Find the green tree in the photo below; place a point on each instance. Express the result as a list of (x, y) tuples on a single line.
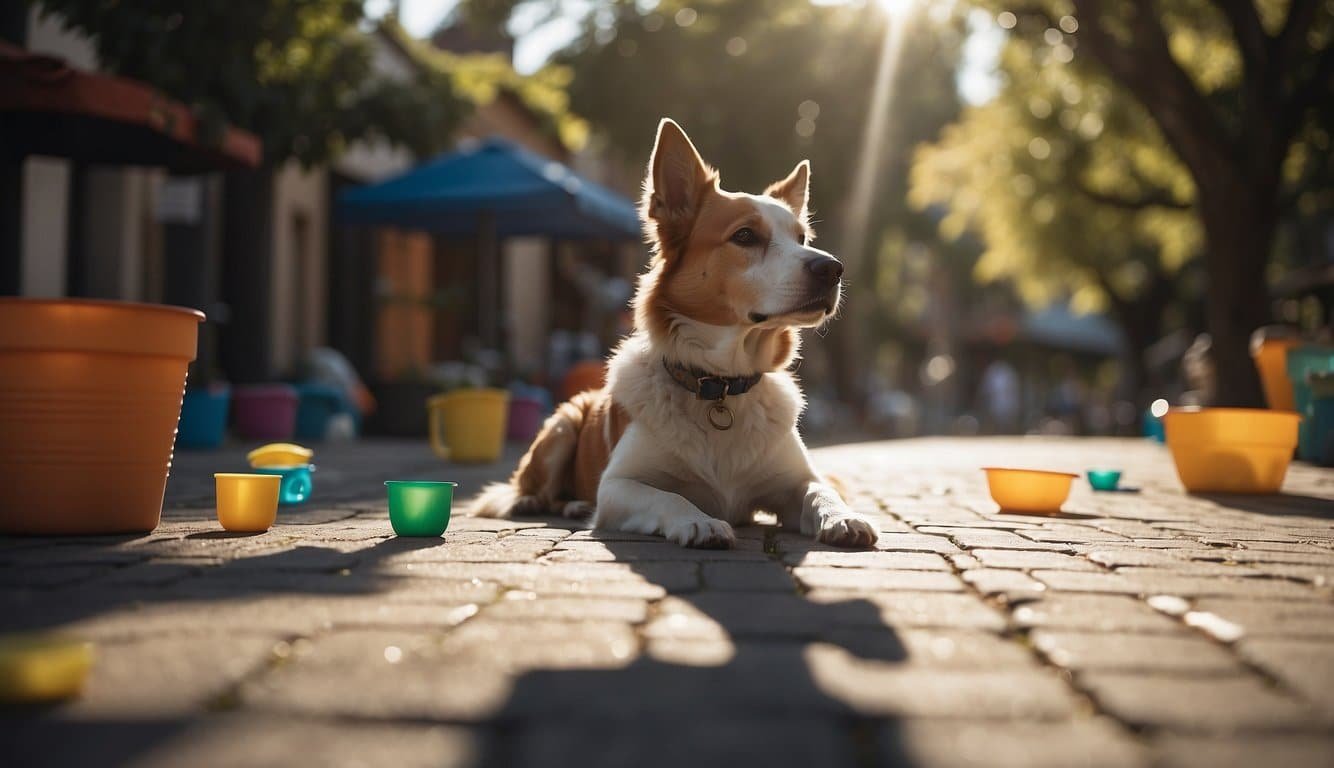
[(1242, 95), (296, 72), (1073, 192)]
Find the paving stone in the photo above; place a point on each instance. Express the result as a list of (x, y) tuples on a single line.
[(933, 647), (1319, 575), (746, 682), (647, 580), (1283, 751), (1265, 618), (1071, 534), (661, 550), (953, 744), (747, 577), (898, 690), (1029, 560), (1305, 666), (1264, 556), (973, 538), (1170, 560), (691, 652), (1097, 613), (1183, 654), (453, 691), (899, 561), (529, 605), (546, 644), (249, 741), (510, 549), (168, 676), (918, 609), (1156, 580), (49, 577), (1013, 585), (708, 744), (1111, 583), (1197, 703), (871, 579)]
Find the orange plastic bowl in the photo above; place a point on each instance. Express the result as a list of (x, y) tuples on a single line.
[(1231, 450), (1032, 491), (90, 394)]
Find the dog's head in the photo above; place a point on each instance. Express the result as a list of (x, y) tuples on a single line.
[(729, 258)]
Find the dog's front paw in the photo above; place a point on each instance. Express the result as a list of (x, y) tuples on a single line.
[(577, 510), (848, 530), (701, 534)]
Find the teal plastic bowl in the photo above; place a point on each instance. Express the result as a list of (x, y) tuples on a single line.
[(419, 507), (297, 484), (1105, 479)]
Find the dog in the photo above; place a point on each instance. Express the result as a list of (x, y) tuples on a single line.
[(695, 429)]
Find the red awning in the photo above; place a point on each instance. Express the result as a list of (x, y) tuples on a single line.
[(50, 108)]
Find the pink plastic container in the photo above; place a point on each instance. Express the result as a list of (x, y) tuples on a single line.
[(524, 420), (265, 411)]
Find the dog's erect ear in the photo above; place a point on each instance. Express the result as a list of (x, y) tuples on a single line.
[(676, 177), (794, 190)]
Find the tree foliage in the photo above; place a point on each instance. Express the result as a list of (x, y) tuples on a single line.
[(296, 72), (1230, 105), (1067, 182)]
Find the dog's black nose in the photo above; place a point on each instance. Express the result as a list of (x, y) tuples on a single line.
[(826, 269)]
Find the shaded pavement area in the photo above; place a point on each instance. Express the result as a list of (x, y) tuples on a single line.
[(1147, 628)]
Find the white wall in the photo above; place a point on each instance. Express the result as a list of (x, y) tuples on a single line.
[(298, 192), (527, 299), (45, 206)]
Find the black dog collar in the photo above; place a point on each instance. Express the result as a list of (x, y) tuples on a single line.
[(707, 386)]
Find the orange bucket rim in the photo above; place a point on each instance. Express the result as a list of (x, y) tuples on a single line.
[(136, 306), (1031, 471), (1195, 410)]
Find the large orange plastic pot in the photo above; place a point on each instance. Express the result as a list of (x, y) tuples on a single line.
[(1231, 450), (90, 393)]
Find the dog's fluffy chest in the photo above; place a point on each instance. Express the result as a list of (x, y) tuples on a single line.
[(723, 472)]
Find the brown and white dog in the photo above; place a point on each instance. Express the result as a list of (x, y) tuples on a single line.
[(696, 428)]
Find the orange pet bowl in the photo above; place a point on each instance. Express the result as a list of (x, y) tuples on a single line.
[(1231, 450), (1032, 491), (90, 394)]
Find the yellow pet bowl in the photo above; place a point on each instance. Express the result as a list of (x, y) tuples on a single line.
[(1032, 491), (280, 455), (247, 503), (34, 668), (1231, 450)]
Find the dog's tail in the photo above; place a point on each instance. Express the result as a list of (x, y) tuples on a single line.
[(538, 485)]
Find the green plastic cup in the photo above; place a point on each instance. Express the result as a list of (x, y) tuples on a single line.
[(1105, 479), (419, 507)]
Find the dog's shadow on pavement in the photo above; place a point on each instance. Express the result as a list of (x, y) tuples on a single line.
[(742, 689), (1274, 505), (752, 687)]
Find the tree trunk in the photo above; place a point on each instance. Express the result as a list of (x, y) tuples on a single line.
[(1239, 224)]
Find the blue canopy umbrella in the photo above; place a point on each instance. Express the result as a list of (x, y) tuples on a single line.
[(493, 188)]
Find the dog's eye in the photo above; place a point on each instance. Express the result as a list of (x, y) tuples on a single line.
[(745, 237)]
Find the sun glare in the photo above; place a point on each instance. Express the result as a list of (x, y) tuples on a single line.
[(896, 7)]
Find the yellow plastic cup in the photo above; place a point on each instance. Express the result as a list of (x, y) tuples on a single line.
[(247, 503), (280, 455), (468, 425), (36, 668), (1031, 491)]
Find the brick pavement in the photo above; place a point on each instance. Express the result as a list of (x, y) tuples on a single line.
[(1136, 629)]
